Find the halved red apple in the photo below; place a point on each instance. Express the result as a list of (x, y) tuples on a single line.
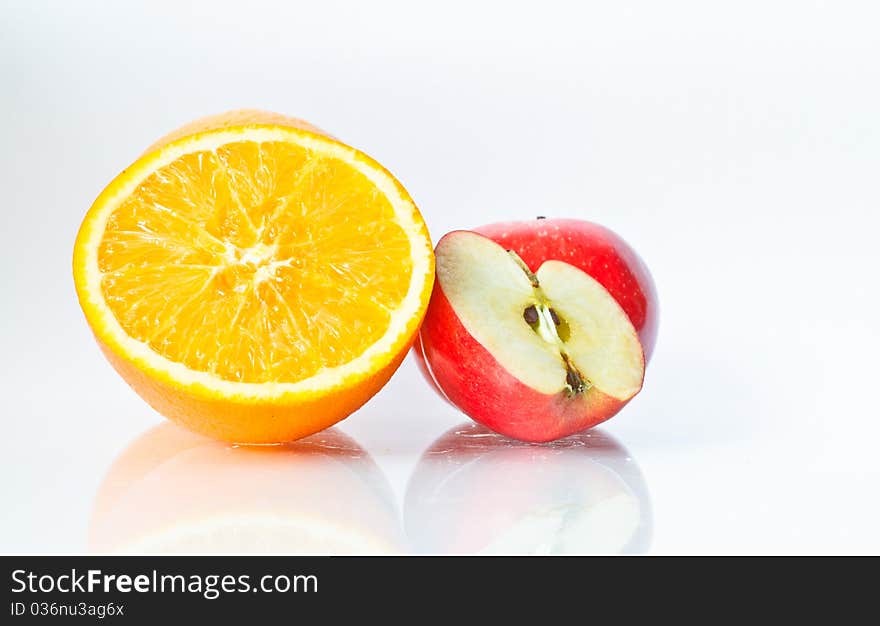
[(532, 355)]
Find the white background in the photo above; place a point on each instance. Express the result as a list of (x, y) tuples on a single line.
[(735, 145)]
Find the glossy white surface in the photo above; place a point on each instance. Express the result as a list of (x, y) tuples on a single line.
[(736, 147)]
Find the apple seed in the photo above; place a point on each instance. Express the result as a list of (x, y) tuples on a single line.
[(531, 315), (573, 378)]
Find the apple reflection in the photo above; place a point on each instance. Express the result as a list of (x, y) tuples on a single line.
[(474, 491), (172, 491)]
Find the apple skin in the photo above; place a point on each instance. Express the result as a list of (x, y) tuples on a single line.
[(463, 372), (594, 249)]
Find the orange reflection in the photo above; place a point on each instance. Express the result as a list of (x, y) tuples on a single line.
[(172, 491), (474, 491)]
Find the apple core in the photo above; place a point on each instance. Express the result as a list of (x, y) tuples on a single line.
[(545, 321)]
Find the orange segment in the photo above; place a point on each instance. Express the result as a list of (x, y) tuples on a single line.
[(254, 262), (289, 276)]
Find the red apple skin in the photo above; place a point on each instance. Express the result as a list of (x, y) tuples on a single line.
[(471, 379), (595, 250)]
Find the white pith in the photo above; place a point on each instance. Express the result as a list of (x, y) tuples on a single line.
[(489, 292), (112, 333)]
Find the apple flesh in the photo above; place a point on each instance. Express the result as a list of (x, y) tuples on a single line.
[(535, 355), (596, 250)]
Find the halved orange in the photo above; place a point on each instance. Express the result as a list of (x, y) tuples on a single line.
[(252, 278)]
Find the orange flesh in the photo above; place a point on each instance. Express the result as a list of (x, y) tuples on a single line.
[(255, 262)]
